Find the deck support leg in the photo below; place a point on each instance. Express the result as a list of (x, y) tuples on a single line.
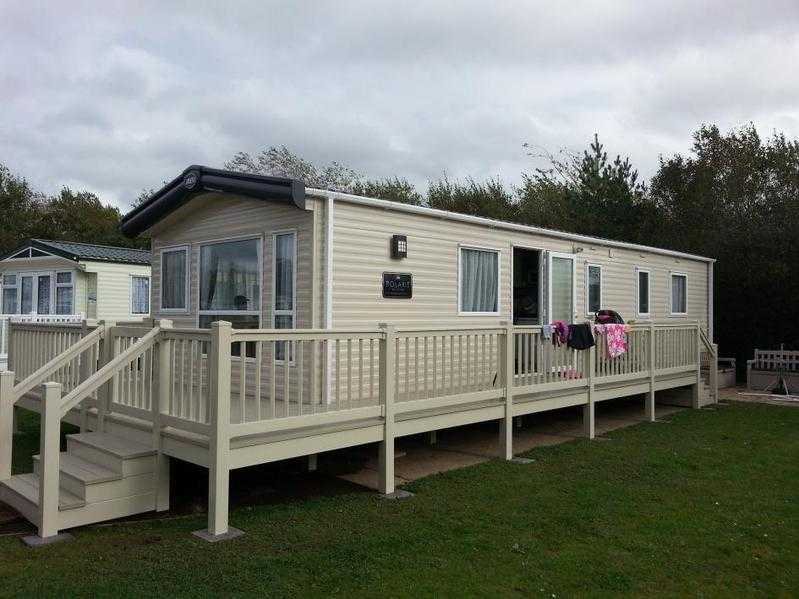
[(219, 442), (589, 420), (386, 467), (589, 413), (7, 421), (162, 482), (312, 462), (649, 404), (388, 346), (432, 437), (506, 424)]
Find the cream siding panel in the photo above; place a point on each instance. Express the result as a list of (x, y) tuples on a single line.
[(113, 288), (361, 254)]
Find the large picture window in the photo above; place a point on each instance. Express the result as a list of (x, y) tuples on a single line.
[(139, 295), (679, 294), (283, 286), (174, 270), (642, 291), (230, 286), (479, 281)]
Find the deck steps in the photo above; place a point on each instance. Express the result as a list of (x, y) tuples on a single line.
[(101, 477)]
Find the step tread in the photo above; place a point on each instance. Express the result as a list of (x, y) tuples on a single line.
[(85, 471), (116, 446), (27, 485)]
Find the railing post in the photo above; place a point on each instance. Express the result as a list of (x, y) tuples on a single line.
[(84, 373), (6, 423), (506, 424), (589, 413), (714, 371), (650, 398), (106, 354), (159, 399), (698, 386), (219, 442), (386, 373), (49, 450)]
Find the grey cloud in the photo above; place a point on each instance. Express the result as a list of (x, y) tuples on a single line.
[(115, 97)]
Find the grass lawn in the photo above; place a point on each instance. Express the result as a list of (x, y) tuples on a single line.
[(705, 505)]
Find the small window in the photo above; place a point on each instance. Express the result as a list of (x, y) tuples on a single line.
[(64, 293), (10, 294), (593, 286), (173, 279), (479, 281), (679, 294), (642, 291), (139, 295)]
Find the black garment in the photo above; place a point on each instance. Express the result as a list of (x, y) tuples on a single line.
[(608, 317), (580, 336)]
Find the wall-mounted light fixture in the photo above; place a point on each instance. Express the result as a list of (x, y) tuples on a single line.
[(399, 246)]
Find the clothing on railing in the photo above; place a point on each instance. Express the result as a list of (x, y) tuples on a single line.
[(608, 317), (580, 336), (560, 332), (615, 338)]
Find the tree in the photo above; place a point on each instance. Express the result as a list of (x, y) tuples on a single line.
[(19, 205), (736, 198), (490, 199), (587, 194), (281, 162)]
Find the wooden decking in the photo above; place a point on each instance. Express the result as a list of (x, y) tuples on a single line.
[(181, 393)]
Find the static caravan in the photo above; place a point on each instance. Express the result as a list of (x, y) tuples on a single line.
[(266, 253), (62, 281), (288, 321)]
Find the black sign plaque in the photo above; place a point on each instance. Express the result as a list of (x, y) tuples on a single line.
[(397, 285)]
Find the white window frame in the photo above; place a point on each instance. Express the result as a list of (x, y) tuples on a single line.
[(274, 310), (673, 274), (638, 313), (498, 252), (57, 286), (186, 286), (588, 267), (149, 295), (565, 256), (16, 287)]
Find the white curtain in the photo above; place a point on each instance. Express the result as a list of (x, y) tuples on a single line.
[(479, 281), (173, 279), (140, 292), (229, 276), (678, 294)]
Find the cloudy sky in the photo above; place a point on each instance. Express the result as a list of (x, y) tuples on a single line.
[(118, 96)]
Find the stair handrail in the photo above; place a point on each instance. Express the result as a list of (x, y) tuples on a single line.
[(713, 368), (107, 372), (44, 373)]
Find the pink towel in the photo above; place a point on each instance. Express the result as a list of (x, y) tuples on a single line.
[(615, 337)]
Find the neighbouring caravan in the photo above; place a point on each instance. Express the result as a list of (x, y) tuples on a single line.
[(62, 281), (288, 322)]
